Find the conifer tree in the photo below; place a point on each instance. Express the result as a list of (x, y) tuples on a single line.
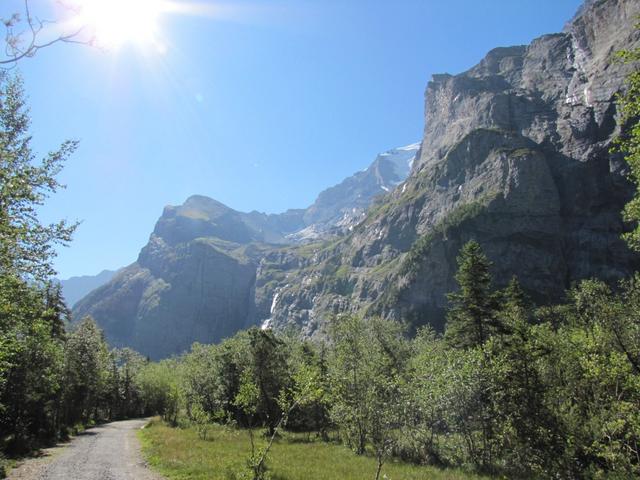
[(471, 319)]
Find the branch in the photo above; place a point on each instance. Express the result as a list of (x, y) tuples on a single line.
[(14, 41)]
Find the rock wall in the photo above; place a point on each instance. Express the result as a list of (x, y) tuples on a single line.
[(515, 154)]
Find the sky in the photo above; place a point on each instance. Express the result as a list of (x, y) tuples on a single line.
[(258, 104)]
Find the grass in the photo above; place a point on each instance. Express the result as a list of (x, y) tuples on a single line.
[(6, 464), (179, 454)]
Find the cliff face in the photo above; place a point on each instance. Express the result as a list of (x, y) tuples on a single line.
[(515, 154)]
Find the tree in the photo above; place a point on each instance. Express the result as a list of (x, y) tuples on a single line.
[(367, 370), (32, 313), (471, 319), (204, 395), (628, 142), (26, 245), (269, 370), (526, 426), (388, 360), (349, 380), (128, 365), (306, 388), (30, 365), (160, 389), (314, 415), (87, 363)]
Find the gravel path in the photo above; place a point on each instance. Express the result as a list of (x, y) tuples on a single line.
[(107, 452)]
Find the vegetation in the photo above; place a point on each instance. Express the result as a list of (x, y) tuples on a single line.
[(180, 454), (510, 389), (53, 379), (628, 142)]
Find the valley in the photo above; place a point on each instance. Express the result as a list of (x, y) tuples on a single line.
[(465, 307)]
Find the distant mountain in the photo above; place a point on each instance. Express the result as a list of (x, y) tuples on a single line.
[(341, 207), (75, 288), (195, 280)]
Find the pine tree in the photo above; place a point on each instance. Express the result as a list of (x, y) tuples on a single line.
[(471, 319)]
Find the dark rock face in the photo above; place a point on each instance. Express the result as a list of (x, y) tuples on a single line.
[(515, 154)]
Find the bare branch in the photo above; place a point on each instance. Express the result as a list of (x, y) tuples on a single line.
[(25, 42)]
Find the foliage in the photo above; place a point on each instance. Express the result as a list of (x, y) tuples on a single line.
[(543, 393), (367, 369), (628, 142), (32, 312), (304, 388), (26, 245), (471, 319)]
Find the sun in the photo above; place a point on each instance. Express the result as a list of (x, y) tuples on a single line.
[(114, 23)]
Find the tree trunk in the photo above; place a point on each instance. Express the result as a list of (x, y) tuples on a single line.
[(380, 462)]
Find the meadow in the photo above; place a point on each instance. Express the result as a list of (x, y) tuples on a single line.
[(181, 454)]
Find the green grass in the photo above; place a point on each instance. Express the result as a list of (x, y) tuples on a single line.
[(179, 454), (6, 465)]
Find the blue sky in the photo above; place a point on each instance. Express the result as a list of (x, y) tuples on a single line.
[(260, 108)]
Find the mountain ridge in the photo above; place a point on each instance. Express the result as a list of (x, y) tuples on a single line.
[(202, 258)]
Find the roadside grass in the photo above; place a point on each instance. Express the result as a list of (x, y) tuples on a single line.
[(179, 454), (6, 464)]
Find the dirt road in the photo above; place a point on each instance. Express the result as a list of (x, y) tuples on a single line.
[(107, 452)]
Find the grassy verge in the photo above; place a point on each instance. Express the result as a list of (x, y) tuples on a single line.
[(179, 455), (6, 465)]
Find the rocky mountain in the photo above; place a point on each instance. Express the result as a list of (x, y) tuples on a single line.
[(74, 288), (339, 208), (515, 154), (195, 279)]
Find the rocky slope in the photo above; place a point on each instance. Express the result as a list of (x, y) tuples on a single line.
[(339, 208), (515, 154), (195, 279)]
